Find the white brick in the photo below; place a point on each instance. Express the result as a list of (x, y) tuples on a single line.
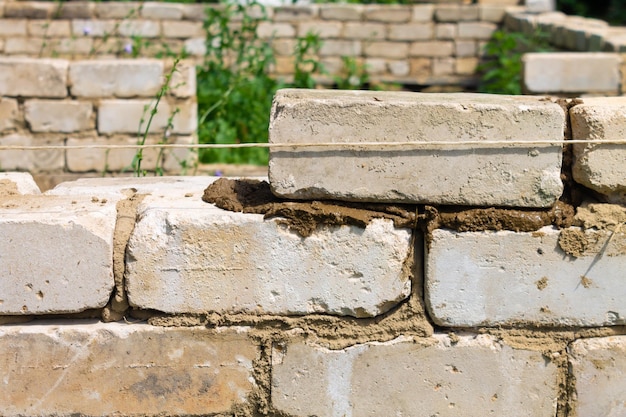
[(599, 369), (58, 116), (183, 82), (188, 256), (49, 28), (50, 246), (120, 78), (125, 116), (195, 46), (496, 278), (600, 167), (30, 160), (8, 114), (571, 72), (508, 176), (21, 183), (123, 369), (476, 376), (33, 77), (97, 28)]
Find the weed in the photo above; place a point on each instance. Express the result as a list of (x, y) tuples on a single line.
[(306, 63), (354, 77)]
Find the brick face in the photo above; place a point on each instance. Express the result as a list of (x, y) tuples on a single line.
[(58, 116)]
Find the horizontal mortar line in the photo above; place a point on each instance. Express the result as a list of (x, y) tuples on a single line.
[(201, 268), (340, 145)]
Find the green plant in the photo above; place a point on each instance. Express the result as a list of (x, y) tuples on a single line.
[(354, 75), (306, 63), (501, 72), (235, 90)]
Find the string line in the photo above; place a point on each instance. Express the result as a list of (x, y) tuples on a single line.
[(337, 145)]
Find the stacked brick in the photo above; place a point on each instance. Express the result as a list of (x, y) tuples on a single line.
[(247, 316), (418, 44), (96, 102)]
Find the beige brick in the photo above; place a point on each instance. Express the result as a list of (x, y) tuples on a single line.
[(598, 367), (340, 48), (13, 27), (124, 116), (600, 167), (376, 65), (466, 66), (423, 13), (267, 30), (71, 46), (24, 46), (341, 12), (464, 178), (134, 369), (446, 30), (28, 77), (183, 82), (162, 11), (117, 10), (2, 9), (476, 30), (1, 45), (195, 46), (142, 28), (323, 29), (284, 65), (420, 66), (399, 68), (196, 12), (51, 28), (31, 161), (369, 31), (465, 48), (411, 32), (414, 377), (295, 13), (492, 12), (97, 28), (388, 13), (284, 46), (394, 50), (455, 12), (9, 114), (431, 49), (76, 10), (443, 66), (112, 160), (58, 116), (28, 9), (183, 30), (120, 78)]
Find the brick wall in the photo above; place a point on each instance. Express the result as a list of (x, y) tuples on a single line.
[(496, 292), (97, 102), (419, 44)]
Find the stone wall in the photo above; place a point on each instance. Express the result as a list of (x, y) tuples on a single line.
[(420, 44), (499, 291), (96, 102)]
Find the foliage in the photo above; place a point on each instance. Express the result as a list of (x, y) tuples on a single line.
[(613, 11), (501, 72), (354, 75), (305, 64)]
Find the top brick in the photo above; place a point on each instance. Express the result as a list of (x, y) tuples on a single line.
[(423, 170)]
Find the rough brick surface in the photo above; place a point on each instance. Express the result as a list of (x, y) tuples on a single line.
[(14, 183), (13, 27), (476, 376), (600, 167), (493, 278), (58, 116), (119, 78), (525, 176), (124, 116), (570, 72), (56, 254), (599, 368), (30, 77), (8, 114), (188, 256), (100, 369)]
